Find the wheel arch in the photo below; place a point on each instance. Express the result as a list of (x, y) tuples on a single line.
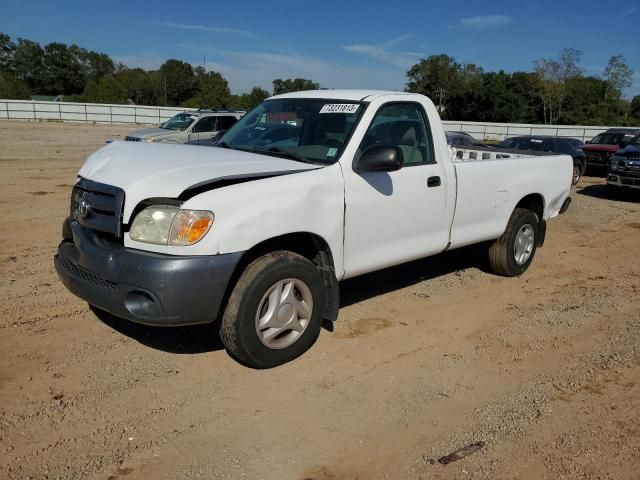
[(535, 203), (309, 245)]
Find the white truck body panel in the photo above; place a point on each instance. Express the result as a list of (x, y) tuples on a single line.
[(370, 221), (489, 190)]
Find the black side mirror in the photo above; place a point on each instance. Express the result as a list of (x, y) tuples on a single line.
[(217, 136), (587, 142), (380, 158)]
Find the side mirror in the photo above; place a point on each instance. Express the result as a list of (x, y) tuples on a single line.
[(380, 158), (587, 142), (217, 136)]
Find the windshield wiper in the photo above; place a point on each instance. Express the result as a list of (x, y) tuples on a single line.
[(287, 154)]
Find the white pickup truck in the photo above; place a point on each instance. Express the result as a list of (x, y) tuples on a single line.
[(308, 189)]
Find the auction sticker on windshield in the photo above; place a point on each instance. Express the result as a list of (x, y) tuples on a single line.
[(339, 108)]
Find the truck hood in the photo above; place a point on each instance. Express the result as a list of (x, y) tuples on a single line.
[(631, 152), (150, 132), (147, 170)]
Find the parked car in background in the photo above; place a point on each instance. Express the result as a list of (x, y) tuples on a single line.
[(462, 139), (624, 167), (546, 144), (601, 147), (188, 127)]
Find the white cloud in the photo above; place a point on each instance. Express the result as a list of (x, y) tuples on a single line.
[(244, 70), (631, 11), (384, 53), (484, 21), (202, 28)]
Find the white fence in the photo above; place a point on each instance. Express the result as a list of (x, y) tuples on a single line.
[(148, 115), (500, 131), (85, 112)]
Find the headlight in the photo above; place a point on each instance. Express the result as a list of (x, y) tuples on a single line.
[(617, 165), (168, 225), (151, 139)]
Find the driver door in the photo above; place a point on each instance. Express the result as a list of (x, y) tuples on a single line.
[(394, 217)]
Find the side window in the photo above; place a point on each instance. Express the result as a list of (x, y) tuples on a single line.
[(206, 124), (225, 123), (548, 145), (403, 125)]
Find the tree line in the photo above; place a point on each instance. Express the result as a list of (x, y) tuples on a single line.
[(556, 91), (80, 75)]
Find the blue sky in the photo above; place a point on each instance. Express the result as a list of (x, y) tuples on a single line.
[(348, 43)]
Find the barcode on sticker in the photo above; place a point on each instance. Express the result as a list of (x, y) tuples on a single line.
[(339, 108)]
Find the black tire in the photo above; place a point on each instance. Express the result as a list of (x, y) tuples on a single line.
[(238, 327), (577, 173), (502, 256)]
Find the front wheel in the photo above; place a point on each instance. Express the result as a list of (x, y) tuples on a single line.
[(274, 313), (512, 253)]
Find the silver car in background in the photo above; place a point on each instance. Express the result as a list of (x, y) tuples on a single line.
[(188, 127)]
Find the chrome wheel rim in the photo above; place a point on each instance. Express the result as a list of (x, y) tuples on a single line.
[(523, 246), (284, 313)]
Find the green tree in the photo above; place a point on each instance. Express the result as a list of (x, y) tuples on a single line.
[(7, 53), (618, 76), (437, 77), (552, 77), (249, 101), (139, 86), (105, 90), (63, 70), (28, 64), (293, 85), (635, 108), (11, 87), (177, 81), (212, 90)]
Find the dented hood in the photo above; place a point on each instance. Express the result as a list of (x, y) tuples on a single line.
[(147, 170)]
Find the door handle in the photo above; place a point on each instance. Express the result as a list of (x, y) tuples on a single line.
[(433, 182)]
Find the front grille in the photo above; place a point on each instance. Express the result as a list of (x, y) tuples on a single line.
[(87, 276), (98, 206), (631, 173), (132, 139), (598, 158)]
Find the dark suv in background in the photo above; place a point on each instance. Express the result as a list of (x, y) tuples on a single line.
[(545, 144), (624, 167), (601, 147)]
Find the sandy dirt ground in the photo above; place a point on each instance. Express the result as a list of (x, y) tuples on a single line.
[(425, 358)]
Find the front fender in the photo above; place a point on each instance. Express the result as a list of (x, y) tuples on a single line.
[(251, 212)]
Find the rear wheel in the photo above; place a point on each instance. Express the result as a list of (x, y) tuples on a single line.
[(577, 173), (274, 311), (512, 253)]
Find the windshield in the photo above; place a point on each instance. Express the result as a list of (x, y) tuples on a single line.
[(179, 122), (610, 138), (636, 141), (308, 130)]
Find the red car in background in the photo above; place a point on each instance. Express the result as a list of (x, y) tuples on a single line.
[(601, 147)]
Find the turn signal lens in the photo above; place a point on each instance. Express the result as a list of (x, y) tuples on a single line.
[(189, 227)]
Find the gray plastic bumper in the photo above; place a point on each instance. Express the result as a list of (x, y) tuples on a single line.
[(143, 287)]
